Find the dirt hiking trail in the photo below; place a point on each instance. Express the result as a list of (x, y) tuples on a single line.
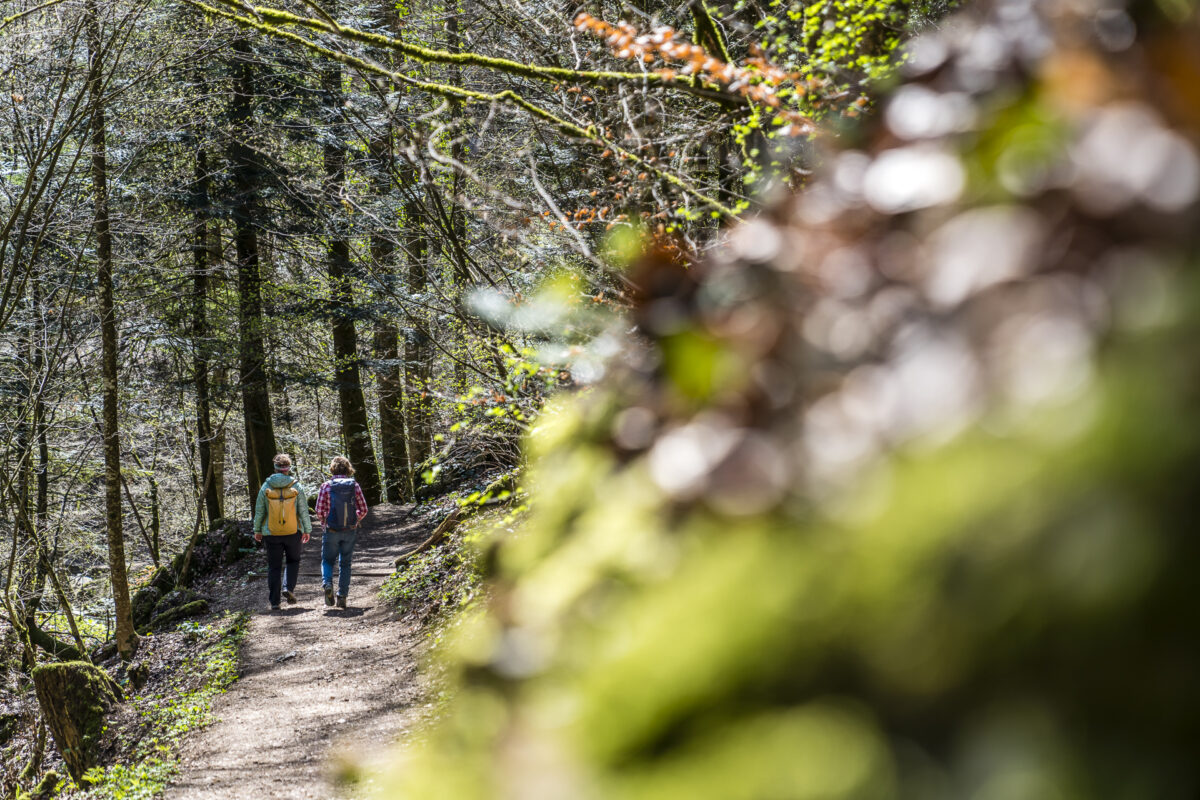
[(317, 684)]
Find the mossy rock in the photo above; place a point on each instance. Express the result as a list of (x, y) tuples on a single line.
[(238, 537), (9, 722), (179, 612), (46, 786), (138, 674), (44, 790), (74, 697), (221, 545), (163, 579), (104, 652), (143, 604), (174, 599)]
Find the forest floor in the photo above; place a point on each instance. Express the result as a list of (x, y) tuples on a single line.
[(322, 691)]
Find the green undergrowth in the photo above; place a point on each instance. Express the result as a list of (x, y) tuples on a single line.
[(167, 711), (92, 628), (445, 580)]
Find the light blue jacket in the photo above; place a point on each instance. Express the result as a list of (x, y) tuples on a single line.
[(281, 481)]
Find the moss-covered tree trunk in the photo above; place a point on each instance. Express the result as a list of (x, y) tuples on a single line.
[(418, 349), (27, 566), (355, 430), (200, 334), (74, 697), (457, 228), (218, 388), (126, 637), (42, 503), (256, 395), (397, 477), (393, 444)]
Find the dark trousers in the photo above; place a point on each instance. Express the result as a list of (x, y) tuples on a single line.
[(277, 548)]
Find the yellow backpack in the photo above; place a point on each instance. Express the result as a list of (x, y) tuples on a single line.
[(281, 510)]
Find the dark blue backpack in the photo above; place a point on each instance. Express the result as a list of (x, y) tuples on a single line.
[(342, 511)]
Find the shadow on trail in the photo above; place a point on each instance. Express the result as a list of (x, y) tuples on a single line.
[(315, 680), (283, 612), (352, 611)]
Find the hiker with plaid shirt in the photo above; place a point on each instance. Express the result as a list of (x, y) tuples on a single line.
[(340, 507)]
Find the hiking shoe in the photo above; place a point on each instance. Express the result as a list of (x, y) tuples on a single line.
[(328, 595), (341, 601), (274, 606), (287, 595)]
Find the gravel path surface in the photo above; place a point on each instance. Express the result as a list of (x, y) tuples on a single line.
[(320, 688)]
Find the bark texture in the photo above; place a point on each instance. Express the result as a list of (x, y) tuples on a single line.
[(418, 350), (397, 476), (200, 338), (126, 637), (347, 375), (74, 697), (256, 396)]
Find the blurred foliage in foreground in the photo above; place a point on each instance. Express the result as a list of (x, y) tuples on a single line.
[(890, 497)]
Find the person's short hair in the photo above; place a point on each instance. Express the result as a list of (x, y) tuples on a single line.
[(283, 461), (341, 466)]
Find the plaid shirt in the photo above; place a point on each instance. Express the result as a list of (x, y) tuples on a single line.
[(323, 501)]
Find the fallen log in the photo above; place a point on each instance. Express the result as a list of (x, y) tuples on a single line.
[(506, 485), (439, 533)]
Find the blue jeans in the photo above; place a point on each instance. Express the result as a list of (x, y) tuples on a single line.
[(337, 546)]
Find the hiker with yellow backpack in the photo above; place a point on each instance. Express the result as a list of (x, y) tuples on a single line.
[(281, 514)]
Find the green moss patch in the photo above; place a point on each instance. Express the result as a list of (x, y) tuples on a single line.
[(145, 742), (194, 608), (75, 697)]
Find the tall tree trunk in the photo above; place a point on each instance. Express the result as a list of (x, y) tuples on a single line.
[(126, 637), (155, 520), (355, 431), (458, 222), (42, 509), (31, 574), (256, 396), (200, 343), (26, 431), (392, 444), (219, 388), (418, 350), (42, 501)]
